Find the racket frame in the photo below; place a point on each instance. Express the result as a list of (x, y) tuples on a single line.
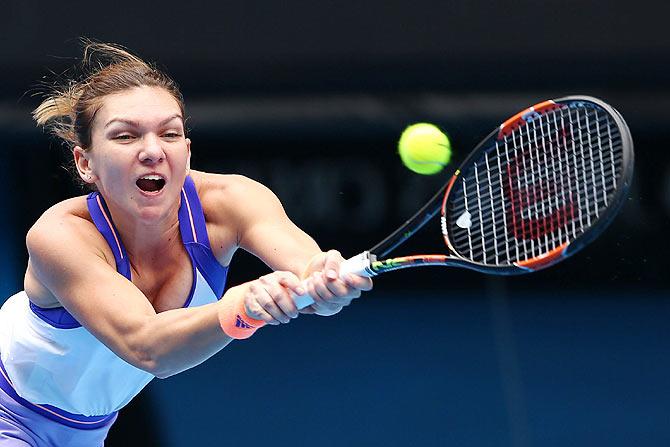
[(368, 262)]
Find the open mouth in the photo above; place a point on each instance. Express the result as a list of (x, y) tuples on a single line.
[(150, 183)]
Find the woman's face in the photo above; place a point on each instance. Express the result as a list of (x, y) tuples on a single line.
[(139, 154)]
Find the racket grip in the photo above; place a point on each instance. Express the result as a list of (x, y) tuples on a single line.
[(357, 265)]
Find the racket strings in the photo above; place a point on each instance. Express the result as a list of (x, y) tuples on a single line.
[(539, 187), (549, 187), (561, 164), (586, 133)]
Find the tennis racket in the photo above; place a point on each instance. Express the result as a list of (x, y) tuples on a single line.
[(535, 191)]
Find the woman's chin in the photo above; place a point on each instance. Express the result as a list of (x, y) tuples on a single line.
[(153, 207)]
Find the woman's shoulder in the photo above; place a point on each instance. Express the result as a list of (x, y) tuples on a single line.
[(68, 220), (229, 192), (208, 182), (73, 209)]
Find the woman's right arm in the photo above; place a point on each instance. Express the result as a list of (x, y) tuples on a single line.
[(65, 260)]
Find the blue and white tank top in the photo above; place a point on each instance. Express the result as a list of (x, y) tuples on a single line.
[(53, 365)]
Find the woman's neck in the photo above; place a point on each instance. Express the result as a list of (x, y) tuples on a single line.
[(149, 243)]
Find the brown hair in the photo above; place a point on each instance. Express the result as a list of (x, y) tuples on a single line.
[(69, 109)]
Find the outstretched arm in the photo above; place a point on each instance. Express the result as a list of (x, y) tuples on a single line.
[(265, 230), (67, 258)]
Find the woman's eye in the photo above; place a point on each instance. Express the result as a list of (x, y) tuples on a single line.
[(123, 137)]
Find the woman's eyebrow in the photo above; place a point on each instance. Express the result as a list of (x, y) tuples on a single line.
[(137, 124), (167, 120), (122, 120)]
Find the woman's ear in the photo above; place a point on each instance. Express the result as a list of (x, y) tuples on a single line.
[(188, 160), (83, 165)]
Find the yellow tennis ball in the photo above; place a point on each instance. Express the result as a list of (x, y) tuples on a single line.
[(424, 148)]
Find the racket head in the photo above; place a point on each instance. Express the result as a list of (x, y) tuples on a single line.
[(539, 188)]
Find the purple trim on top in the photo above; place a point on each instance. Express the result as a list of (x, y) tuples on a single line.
[(106, 227), (56, 316), (210, 269), (197, 213), (55, 414), (192, 220), (214, 273), (194, 282)]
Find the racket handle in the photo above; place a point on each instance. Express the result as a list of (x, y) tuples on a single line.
[(357, 265)]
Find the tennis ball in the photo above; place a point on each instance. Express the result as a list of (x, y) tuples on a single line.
[(424, 148)]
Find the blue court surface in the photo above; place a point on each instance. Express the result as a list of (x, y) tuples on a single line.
[(545, 369)]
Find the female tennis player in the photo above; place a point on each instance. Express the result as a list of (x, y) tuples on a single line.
[(127, 283)]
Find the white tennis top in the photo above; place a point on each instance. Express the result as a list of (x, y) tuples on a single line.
[(52, 361)]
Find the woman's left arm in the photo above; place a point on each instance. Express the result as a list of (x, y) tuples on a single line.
[(264, 229)]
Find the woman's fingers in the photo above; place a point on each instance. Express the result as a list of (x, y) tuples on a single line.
[(269, 297)]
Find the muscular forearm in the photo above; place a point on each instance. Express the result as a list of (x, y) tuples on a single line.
[(179, 339)]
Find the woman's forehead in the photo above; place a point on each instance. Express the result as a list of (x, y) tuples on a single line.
[(141, 105)]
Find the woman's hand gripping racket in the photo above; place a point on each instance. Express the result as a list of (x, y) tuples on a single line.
[(540, 187)]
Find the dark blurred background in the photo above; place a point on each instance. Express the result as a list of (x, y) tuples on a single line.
[(310, 98)]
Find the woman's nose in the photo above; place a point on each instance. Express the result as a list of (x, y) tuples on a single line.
[(152, 150)]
